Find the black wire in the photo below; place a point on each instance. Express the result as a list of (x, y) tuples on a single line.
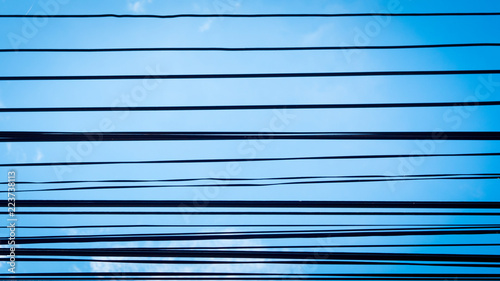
[(256, 179), (250, 107), (257, 204), (340, 157), (252, 225), (250, 278), (248, 75), (319, 262), (31, 136), (228, 276), (242, 185), (251, 49), (131, 274), (263, 255), (251, 15), (334, 246), (128, 213), (359, 230)]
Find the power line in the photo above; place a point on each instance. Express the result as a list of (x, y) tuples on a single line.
[(338, 181), (177, 274), (250, 107), (252, 15), (188, 161), (252, 49), (331, 246), (254, 179), (477, 229), (264, 255), (33, 136), (258, 204), (152, 278), (248, 75), (223, 236), (319, 262), (253, 225), (276, 213)]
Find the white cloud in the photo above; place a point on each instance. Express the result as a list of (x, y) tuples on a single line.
[(254, 267), (31, 7), (138, 5), (206, 26), (39, 155), (322, 32)]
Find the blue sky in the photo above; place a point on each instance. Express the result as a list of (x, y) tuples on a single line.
[(225, 32)]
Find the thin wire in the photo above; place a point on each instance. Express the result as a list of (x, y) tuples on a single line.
[(251, 49), (265, 255), (319, 262), (252, 225), (254, 179), (248, 75), (188, 161), (276, 213), (250, 107), (252, 15), (257, 204), (125, 273), (32, 136)]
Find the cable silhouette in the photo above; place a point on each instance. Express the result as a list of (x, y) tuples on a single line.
[(250, 15), (251, 107), (256, 213), (249, 75), (252, 179), (184, 161), (223, 236), (252, 49), (31, 136), (259, 204)]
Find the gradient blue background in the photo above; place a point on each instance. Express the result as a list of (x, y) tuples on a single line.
[(226, 32)]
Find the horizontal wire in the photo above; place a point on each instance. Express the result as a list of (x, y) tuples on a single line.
[(250, 15), (254, 179), (257, 204), (159, 237), (267, 225), (128, 213), (252, 49), (243, 185), (248, 75), (34, 136), (252, 225), (131, 274), (187, 161), (254, 278), (333, 246), (249, 107), (175, 234), (486, 258), (210, 262)]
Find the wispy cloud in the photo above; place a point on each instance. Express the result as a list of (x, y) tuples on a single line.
[(316, 37), (39, 155), (206, 26), (255, 267), (31, 7), (138, 6)]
